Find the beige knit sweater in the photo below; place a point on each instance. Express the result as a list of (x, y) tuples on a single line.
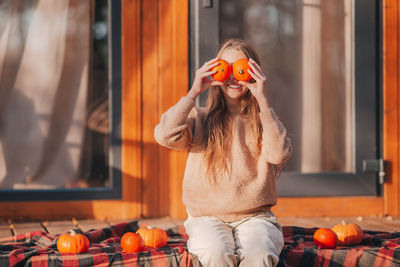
[(250, 187)]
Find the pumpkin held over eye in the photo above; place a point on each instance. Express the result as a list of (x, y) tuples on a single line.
[(240, 70), (224, 71), (132, 242), (325, 238), (73, 243), (153, 237), (348, 234)]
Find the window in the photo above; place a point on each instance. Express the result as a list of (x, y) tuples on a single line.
[(60, 100)]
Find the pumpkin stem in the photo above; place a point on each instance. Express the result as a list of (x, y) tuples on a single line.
[(343, 222), (73, 233), (241, 71)]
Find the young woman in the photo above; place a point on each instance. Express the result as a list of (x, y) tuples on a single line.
[(236, 148)]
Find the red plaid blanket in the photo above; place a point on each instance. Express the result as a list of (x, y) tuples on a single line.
[(39, 249), (378, 249)]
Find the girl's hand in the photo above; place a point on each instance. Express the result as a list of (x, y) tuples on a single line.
[(259, 88), (201, 80)]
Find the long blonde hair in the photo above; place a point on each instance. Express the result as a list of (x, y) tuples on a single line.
[(218, 123)]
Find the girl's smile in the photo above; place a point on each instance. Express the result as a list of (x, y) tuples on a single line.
[(234, 86)]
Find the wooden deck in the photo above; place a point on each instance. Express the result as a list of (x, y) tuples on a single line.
[(9, 228)]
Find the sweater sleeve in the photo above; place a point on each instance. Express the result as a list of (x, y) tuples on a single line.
[(176, 125), (276, 146)]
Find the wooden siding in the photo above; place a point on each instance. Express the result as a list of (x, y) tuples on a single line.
[(329, 206), (155, 76), (131, 110), (391, 104)]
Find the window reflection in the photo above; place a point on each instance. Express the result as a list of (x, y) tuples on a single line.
[(53, 94)]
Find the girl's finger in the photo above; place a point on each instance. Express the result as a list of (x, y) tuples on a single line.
[(256, 68), (255, 64), (207, 66), (213, 65), (255, 76), (208, 73), (211, 61)]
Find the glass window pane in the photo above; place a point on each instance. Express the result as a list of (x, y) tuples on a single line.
[(306, 48), (53, 94)]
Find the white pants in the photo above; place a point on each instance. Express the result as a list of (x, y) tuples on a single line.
[(254, 241)]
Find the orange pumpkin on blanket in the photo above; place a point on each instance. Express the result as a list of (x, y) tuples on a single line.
[(348, 234), (153, 237), (325, 238), (132, 242), (73, 243)]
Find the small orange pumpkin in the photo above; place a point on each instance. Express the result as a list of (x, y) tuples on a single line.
[(224, 71), (153, 237), (240, 70), (132, 242), (348, 233), (325, 238), (73, 243)]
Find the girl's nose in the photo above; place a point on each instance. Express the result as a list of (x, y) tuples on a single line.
[(231, 78)]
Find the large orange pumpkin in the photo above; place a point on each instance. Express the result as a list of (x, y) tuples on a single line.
[(153, 237), (240, 70), (73, 243), (325, 238), (132, 242), (224, 71), (348, 234)]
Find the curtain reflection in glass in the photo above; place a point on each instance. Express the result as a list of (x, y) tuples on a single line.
[(49, 76)]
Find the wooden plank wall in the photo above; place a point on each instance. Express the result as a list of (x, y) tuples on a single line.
[(157, 54), (391, 104), (131, 118)]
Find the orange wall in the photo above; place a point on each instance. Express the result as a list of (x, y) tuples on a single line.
[(391, 105)]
